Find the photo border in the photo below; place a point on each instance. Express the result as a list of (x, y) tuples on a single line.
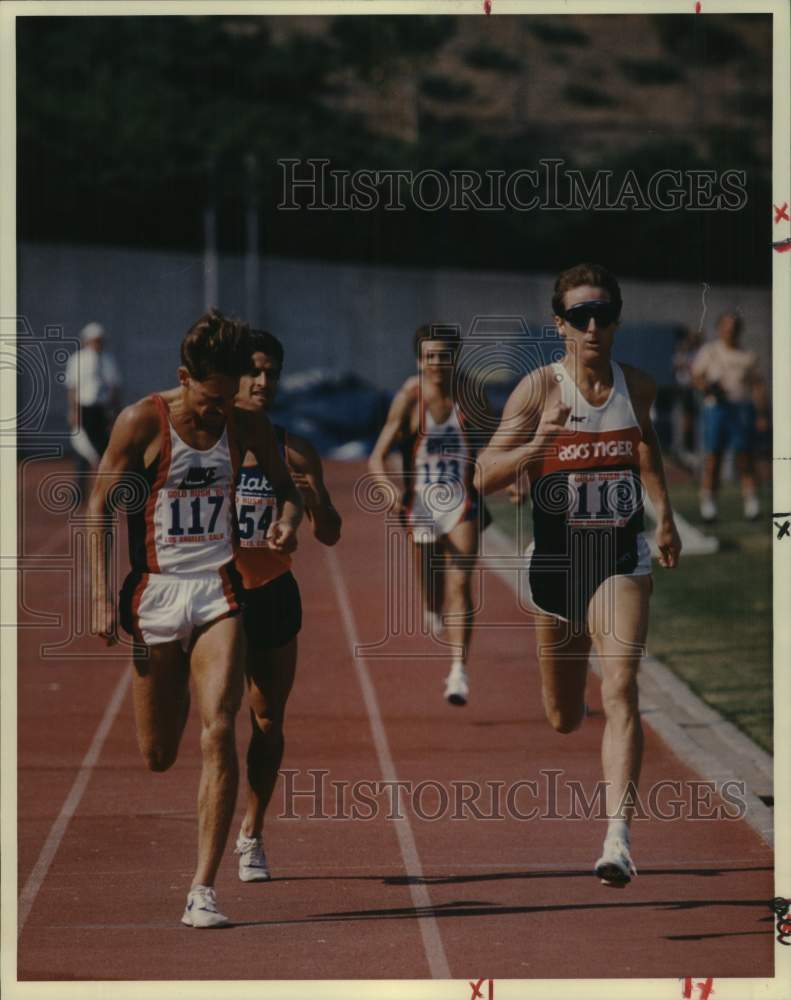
[(778, 987)]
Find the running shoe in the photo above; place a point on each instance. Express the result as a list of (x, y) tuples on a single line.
[(457, 688), (708, 508), (615, 867), (201, 909), (252, 860)]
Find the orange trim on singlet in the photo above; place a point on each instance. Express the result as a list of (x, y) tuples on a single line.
[(580, 450), (233, 446), (163, 469), (259, 566), (236, 460)]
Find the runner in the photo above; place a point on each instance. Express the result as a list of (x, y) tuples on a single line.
[(581, 430), (181, 600), (273, 612), (440, 507)]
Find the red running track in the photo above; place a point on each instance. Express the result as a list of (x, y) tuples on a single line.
[(106, 849)]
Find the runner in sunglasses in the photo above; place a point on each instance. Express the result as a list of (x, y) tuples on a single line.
[(580, 429)]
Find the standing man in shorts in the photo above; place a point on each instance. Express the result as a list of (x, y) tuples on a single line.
[(734, 400), (430, 420), (93, 385), (273, 612), (581, 430), (181, 600)]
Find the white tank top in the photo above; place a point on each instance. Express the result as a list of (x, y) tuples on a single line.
[(599, 455), (615, 414), (188, 518), (441, 472)]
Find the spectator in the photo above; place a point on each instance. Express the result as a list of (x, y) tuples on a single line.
[(734, 406), (688, 344), (93, 383)]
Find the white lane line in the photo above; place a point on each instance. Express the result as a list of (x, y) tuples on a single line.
[(69, 807), (429, 929)]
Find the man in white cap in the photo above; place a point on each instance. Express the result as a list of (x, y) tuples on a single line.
[(93, 383)]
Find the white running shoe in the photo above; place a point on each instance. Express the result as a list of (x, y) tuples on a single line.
[(252, 860), (615, 867), (434, 624), (457, 687), (708, 508), (752, 507), (201, 909)]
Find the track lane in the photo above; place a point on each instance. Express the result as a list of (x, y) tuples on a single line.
[(504, 894)]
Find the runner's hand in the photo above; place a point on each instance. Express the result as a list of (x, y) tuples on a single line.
[(553, 421), (668, 543), (282, 537)]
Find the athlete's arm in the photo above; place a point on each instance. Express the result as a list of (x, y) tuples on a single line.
[(136, 427), (642, 390), (308, 476), (397, 420), (257, 434), (526, 428)]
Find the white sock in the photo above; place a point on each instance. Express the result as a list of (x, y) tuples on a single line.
[(457, 667), (618, 829)]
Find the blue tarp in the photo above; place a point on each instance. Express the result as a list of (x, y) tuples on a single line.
[(340, 413)]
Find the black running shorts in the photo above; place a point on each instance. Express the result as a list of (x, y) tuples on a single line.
[(273, 613)]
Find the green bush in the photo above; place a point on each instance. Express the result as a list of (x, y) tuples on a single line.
[(487, 57), (557, 31), (650, 72), (443, 88), (708, 41), (587, 97)]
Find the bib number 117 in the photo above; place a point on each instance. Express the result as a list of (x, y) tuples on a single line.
[(196, 515)]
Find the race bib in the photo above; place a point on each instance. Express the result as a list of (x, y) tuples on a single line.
[(603, 499), (255, 515), (195, 516)]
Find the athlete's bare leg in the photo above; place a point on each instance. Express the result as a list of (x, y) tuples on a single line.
[(618, 623), (745, 467), (563, 662), (270, 676), (161, 696), (430, 574), (711, 471), (461, 546), (218, 676)]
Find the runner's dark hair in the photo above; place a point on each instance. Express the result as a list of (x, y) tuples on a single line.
[(436, 331), (585, 274), (736, 316), (267, 343), (216, 345)]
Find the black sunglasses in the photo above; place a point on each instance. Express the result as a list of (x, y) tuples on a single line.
[(602, 311)]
